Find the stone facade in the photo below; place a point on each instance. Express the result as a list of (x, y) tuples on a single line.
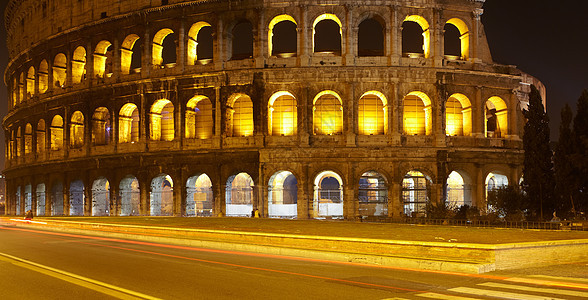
[(357, 132)]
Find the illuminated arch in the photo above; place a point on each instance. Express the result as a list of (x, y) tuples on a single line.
[(19, 142), (417, 114), (30, 82), (102, 59), (372, 113), (199, 119), (162, 120), (199, 196), (458, 116), (101, 126), (327, 113), (240, 112), (324, 17), (157, 52), (373, 194), (283, 195), (328, 195), (130, 196), (101, 197), (78, 65), (40, 136), (458, 193), (464, 36), (426, 32), (57, 133), (59, 70), (274, 22), (496, 117), (126, 53), (43, 76), (76, 198), (128, 124), (76, 130), (415, 193), (192, 47), (239, 195), (161, 198), (282, 114), (28, 139)]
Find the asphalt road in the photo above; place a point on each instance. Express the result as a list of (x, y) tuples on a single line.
[(46, 265)]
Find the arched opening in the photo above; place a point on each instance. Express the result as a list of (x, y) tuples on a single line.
[(28, 139), (76, 198), (22, 87), (31, 82), (199, 200), (415, 194), (200, 44), (18, 201), (130, 196), (458, 116), (59, 70), (43, 76), (328, 114), (416, 37), (327, 32), (162, 120), (240, 112), (19, 142), (57, 133), (76, 130), (283, 37), (101, 197), (130, 54), (457, 39), (78, 65), (164, 48), (372, 113), (101, 126), (15, 99), (328, 195), (40, 136), (373, 194), (199, 119), (161, 200), (242, 41), (282, 114), (370, 40), (57, 199), (494, 181), (283, 195), (496, 116), (40, 191), (239, 195), (417, 114), (28, 198), (458, 192), (103, 56), (128, 124)]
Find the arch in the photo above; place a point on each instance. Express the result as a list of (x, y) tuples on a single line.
[(30, 82), (103, 56), (57, 199), (458, 116), (43, 76), (22, 87), (282, 36), (372, 114), (19, 142), (161, 200), (283, 195), (76, 198), (162, 121), (494, 180), (101, 126), (40, 193), (159, 49), (373, 194), (496, 116), (282, 114), (327, 37), (129, 196), (28, 198), (200, 43), (199, 200), (370, 38), (18, 200), (78, 65), (130, 57), (40, 136), (28, 139), (242, 40), (199, 118), (328, 195), (463, 38), (57, 133), (101, 197), (327, 113), (458, 191), (239, 195), (417, 114), (14, 93), (240, 112), (76, 130), (415, 193), (128, 124), (409, 40), (59, 70)]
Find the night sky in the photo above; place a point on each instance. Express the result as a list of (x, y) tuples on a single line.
[(545, 38)]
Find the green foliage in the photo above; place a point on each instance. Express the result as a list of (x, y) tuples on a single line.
[(466, 212), (507, 202), (538, 176), (579, 157), (565, 180), (438, 211)]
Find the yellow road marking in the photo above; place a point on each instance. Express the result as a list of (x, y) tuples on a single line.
[(534, 289), (444, 297), (92, 284), (499, 294)]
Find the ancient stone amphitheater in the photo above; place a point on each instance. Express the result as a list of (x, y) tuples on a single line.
[(300, 109)]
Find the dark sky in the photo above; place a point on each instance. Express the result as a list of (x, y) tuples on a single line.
[(545, 38)]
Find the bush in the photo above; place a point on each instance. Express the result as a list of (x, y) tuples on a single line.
[(507, 203), (466, 212), (439, 211)]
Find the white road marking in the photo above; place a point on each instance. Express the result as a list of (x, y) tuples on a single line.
[(535, 289), (499, 294), (444, 297)]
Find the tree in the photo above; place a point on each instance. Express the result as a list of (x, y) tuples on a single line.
[(507, 202), (538, 176), (565, 180), (579, 157)]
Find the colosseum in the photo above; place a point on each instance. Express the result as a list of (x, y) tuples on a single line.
[(299, 109)]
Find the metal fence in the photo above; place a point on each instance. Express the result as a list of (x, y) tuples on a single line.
[(561, 225)]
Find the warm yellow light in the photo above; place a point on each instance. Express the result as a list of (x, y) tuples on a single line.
[(417, 117), (372, 118), (43, 76), (199, 121), (283, 116), (242, 115), (78, 65), (156, 55), (328, 113), (162, 120), (193, 41), (273, 23), (426, 32), (464, 37), (325, 17)]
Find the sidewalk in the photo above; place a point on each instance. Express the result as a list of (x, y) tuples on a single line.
[(462, 249)]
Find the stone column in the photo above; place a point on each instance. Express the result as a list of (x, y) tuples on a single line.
[(144, 188), (179, 195), (480, 190), (218, 198), (87, 197), (395, 205), (181, 48), (304, 38), (396, 35), (303, 194), (114, 199), (218, 56), (478, 117), (146, 60)]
